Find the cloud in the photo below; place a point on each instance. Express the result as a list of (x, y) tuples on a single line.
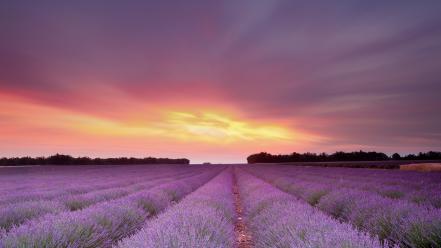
[(346, 74)]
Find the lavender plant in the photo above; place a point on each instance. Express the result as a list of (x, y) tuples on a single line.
[(62, 183), (416, 187), (397, 220), (204, 219), (277, 219), (100, 225), (17, 213)]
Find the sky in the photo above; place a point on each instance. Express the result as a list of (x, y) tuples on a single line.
[(219, 80)]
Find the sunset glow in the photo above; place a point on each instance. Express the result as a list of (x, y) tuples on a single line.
[(218, 80), (30, 122), (133, 124), (188, 126)]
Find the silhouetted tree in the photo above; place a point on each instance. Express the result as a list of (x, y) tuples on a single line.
[(264, 157), (60, 159), (396, 156)]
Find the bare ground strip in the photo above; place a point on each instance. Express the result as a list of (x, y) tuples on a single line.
[(243, 236)]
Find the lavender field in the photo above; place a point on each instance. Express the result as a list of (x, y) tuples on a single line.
[(218, 206)]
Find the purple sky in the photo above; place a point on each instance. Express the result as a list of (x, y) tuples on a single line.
[(357, 74)]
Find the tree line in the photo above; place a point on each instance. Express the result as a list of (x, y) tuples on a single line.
[(61, 159), (264, 157)]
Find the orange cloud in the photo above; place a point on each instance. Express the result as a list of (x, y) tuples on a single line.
[(167, 130)]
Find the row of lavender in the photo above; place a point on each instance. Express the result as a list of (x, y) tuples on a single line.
[(204, 219), (277, 219), (46, 177), (14, 214), (104, 223), (400, 221), (58, 181), (76, 189), (416, 187)]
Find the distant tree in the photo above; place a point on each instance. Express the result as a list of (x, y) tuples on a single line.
[(60, 159), (396, 156), (264, 157), (410, 157)]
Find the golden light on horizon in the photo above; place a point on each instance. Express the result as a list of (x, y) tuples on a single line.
[(184, 125), (207, 131), (213, 127)]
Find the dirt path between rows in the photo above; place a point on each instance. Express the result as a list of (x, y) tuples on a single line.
[(243, 236)]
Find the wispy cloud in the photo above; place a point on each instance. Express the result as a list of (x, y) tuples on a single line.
[(273, 75)]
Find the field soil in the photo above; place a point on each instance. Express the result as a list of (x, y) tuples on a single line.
[(426, 167), (243, 236), (389, 164)]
